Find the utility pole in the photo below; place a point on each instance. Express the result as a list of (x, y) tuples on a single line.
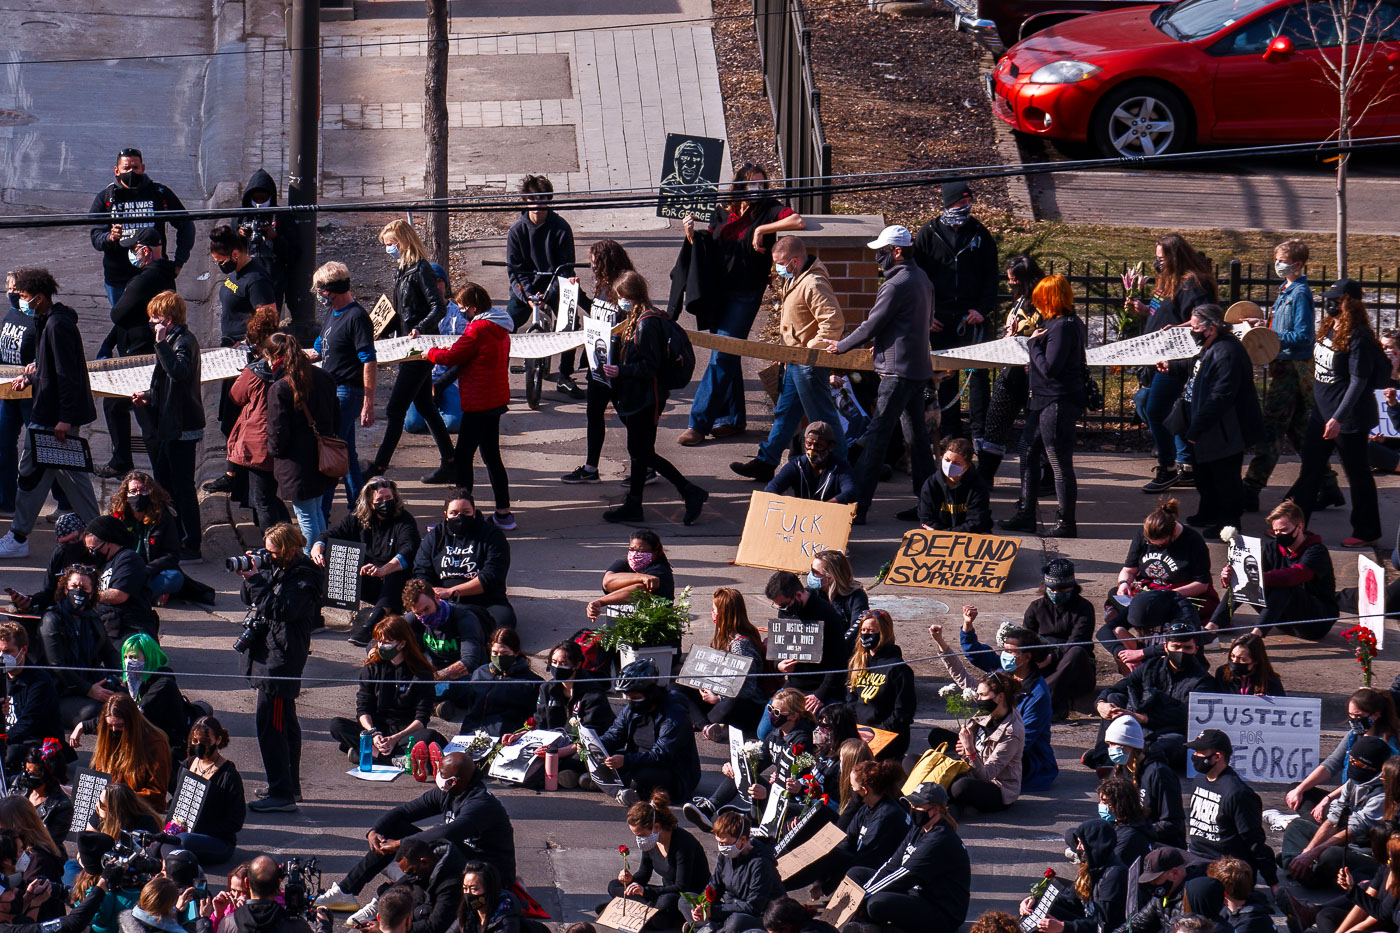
[(435, 129), (304, 41)]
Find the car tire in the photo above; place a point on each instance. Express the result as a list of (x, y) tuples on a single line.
[(1140, 119)]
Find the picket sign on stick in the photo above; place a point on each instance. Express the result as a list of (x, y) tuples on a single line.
[(1370, 598), (953, 560), (784, 532)]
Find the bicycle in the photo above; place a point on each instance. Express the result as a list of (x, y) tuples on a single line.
[(542, 320)]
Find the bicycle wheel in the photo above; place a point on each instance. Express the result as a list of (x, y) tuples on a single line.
[(534, 374)]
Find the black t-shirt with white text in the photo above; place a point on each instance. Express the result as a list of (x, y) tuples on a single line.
[(1182, 561), (18, 336), (242, 291)]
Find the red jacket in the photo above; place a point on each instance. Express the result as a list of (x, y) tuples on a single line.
[(247, 441), (482, 356)]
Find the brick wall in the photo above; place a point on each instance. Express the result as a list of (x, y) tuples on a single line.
[(838, 240)]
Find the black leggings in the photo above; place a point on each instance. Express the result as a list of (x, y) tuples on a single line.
[(412, 386), (1051, 431), (668, 914), (967, 790), (641, 448), (481, 430), (907, 912), (1222, 490), (1009, 394), (1302, 614), (599, 396), (268, 507), (1352, 449)]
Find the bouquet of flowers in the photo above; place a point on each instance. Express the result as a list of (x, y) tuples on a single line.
[(960, 702), (704, 901), (749, 754), (1364, 641), (573, 730), (1137, 286), (482, 747)]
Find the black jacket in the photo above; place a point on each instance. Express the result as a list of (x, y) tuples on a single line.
[(1057, 372), (265, 917), (499, 702), (56, 810), (1158, 914), (966, 506), (590, 704), (930, 864), (1161, 692), (436, 897), (1057, 623), (289, 600), (161, 702), (734, 266), (483, 553), (850, 607), (416, 298), (225, 805), (1225, 820), (158, 544), (1225, 416), (748, 883), (685, 867), (673, 747), (382, 538), (292, 443), (1254, 916), (176, 403), (59, 559), (875, 833), (831, 686), (34, 708), (471, 818), (272, 240), (835, 482), (61, 388), (883, 696), (76, 639), (131, 328), (537, 250), (1108, 875), (1160, 791), (636, 387), (135, 208), (962, 264), (393, 695)]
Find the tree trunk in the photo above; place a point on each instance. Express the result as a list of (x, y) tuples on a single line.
[(435, 129), (1346, 78)]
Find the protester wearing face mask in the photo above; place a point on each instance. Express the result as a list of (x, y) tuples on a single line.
[(345, 349), (29, 701), (1157, 785), (459, 809), (73, 638), (146, 509), (1017, 657), (880, 686), (248, 449), (246, 288), (993, 744), (898, 326), (466, 559), (269, 240), (134, 202), (1100, 884), (877, 824), (214, 835), (645, 568), (810, 315), (394, 701), (1164, 554), (744, 880), (820, 682), (18, 340), (1248, 672), (133, 750), (1300, 596), (1064, 620), (956, 497), (669, 854), (1170, 881), (502, 691), (1370, 712), (301, 404), (733, 634), (651, 743), (1224, 815), (41, 782), (451, 637), (834, 735), (959, 255), (123, 587), (382, 523), (1156, 694), (487, 908), (818, 474), (1313, 852), (926, 884), (146, 676), (1120, 805), (562, 698), (832, 577)]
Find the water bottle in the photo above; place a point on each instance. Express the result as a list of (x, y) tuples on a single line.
[(408, 757), (551, 769), (366, 750)]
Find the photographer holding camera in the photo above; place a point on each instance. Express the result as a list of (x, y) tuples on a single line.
[(261, 912), (282, 587)]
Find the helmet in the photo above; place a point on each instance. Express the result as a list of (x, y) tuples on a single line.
[(637, 676), (1125, 730)]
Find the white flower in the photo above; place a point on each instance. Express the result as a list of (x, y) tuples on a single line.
[(1227, 534), (751, 748), (949, 690), (1002, 630), (969, 694)]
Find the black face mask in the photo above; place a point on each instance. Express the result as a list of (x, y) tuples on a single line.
[(477, 901), (918, 817), (1331, 307), (1177, 659), (1359, 724), (638, 706), (1157, 264), (461, 524), (14, 300), (27, 781), (140, 501), (132, 179), (1240, 670), (201, 749), (1359, 774), (1201, 763), (986, 706), (1285, 539), (78, 599), (384, 509), (559, 672), (885, 261), (228, 266), (1199, 337), (868, 641)]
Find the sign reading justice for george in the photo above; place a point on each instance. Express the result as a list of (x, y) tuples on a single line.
[(1274, 738), (783, 532), (953, 560)]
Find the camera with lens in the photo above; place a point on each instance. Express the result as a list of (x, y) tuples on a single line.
[(259, 559), (301, 885), (130, 855), (254, 628)]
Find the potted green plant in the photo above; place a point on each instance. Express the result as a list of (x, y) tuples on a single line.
[(653, 629)]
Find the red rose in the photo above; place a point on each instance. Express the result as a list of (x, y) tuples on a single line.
[(1049, 872), (622, 849)]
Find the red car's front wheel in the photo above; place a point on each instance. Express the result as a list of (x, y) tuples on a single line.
[(1141, 119)]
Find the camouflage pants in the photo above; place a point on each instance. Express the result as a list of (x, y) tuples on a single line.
[(1286, 405)]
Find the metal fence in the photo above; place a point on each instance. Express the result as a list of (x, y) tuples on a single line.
[(1099, 291), (784, 46)]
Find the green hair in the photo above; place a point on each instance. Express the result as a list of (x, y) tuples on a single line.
[(148, 648)]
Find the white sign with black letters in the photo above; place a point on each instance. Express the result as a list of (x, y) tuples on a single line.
[(1274, 738)]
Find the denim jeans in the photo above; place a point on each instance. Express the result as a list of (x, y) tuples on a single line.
[(352, 399), (114, 293), (166, 582), (310, 518), (210, 850), (899, 402), (719, 398), (805, 391), (1154, 402)]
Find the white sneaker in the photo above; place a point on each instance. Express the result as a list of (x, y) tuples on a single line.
[(336, 899), (365, 914), (11, 548)]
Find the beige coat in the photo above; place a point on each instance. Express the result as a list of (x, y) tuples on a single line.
[(810, 313), (999, 754)]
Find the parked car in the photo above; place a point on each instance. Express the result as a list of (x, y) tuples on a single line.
[(1154, 79), (997, 24)]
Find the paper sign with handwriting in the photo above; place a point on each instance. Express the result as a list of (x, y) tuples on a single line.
[(717, 671), (1274, 738), (1172, 343), (953, 560), (783, 532)]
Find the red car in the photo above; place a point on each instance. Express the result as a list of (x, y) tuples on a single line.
[(1154, 79)]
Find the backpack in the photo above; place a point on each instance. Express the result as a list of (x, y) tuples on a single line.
[(680, 355)]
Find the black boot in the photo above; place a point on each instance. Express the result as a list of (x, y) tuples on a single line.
[(694, 500), (629, 511), (987, 464), (1065, 527), (1021, 521)]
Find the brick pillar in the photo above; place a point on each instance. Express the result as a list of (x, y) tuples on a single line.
[(838, 240)]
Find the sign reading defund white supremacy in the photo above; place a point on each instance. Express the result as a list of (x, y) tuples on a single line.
[(953, 560), (1274, 738)]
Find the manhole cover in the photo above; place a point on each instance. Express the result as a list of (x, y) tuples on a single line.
[(15, 117)]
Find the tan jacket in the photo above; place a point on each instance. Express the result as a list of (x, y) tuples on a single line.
[(999, 754), (810, 314)]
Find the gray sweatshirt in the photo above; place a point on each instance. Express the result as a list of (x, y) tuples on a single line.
[(898, 325)]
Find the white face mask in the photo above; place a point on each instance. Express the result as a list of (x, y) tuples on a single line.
[(731, 851), (267, 203), (953, 470), (1283, 269), (647, 843), (8, 662), (441, 782)]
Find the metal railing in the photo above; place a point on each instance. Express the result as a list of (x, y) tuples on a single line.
[(784, 46)]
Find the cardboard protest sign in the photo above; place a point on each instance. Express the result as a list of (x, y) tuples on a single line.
[(1054, 887), (953, 560), (690, 171), (626, 914), (1274, 738), (827, 838), (1246, 556), (714, 670), (795, 640), (1386, 427), (343, 562), (381, 316), (88, 786), (566, 318), (877, 739), (843, 904), (783, 532), (1370, 598)]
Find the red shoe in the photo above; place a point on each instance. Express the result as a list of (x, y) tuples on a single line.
[(434, 758), (419, 757), (1356, 544)]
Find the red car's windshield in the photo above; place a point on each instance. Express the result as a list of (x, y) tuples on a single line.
[(1195, 19)]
